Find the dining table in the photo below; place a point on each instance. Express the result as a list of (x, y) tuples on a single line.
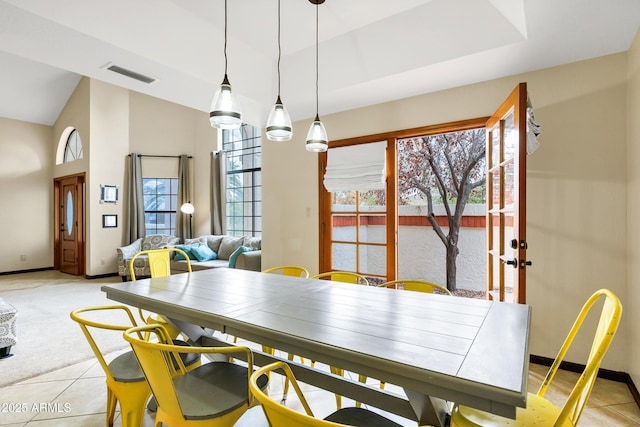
[(436, 348)]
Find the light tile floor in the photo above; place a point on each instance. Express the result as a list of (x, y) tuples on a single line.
[(76, 395)]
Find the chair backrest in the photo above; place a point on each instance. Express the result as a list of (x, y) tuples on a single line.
[(277, 413), (87, 325), (159, 261), (161, 363), (288, 270), (415, 285), (605, 331), (342, 276)]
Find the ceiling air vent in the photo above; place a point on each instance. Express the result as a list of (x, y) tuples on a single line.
[(131, 74)]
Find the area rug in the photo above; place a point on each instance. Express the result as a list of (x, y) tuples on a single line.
[(47, 338)]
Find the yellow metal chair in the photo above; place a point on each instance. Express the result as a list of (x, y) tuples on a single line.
[(289, 270), (159, 266), (415, 285), (125, 381), (345, 277), (279, 415), (159, 261), (213, 394), (342, 276), (540, 411)]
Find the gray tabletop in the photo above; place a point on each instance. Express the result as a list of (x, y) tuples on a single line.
[(470, 351)]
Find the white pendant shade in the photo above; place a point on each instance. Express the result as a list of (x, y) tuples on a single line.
[(317, 140), (279, 123), (225, 110)]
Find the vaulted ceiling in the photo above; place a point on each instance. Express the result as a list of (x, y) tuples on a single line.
[(370, 51)]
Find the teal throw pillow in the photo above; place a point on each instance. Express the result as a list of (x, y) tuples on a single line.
[(234, 256), (203, 253), (187, 249)]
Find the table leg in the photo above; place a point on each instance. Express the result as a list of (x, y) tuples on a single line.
[(429, 410)]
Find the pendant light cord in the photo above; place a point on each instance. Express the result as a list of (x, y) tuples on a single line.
[(279, 49), (317, 102), (225, 37)]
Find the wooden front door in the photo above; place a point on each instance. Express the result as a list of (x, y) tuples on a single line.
[(506, 199), (69, 224)]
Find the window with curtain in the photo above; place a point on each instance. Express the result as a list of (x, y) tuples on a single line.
[(243, 148), (160, 205)]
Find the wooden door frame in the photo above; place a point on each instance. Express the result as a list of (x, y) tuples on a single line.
[(80, 215)]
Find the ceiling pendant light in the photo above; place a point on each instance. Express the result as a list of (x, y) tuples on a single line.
[(279, 122), (317, 140), (225, 110)]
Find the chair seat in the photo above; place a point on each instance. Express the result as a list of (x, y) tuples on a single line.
[(360, 417), (539, 412), (125, 368), (213, 390)]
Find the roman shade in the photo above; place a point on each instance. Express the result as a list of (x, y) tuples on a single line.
[(357, 167)]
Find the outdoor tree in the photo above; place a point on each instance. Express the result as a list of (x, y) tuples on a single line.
[(446, 168)]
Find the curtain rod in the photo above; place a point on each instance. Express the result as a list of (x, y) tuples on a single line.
[(152, 155)]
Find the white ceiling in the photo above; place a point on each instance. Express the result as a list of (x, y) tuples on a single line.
[(370, 51)]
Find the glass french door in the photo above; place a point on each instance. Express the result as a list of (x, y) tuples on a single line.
[(506, 199)]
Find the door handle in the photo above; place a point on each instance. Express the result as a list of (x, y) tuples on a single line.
[(509, 261), (514, 263)]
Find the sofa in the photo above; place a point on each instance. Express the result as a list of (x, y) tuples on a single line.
[(209, 251)]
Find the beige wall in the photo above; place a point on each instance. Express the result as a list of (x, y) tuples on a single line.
[(26, 195), (576, 185), (632, 305), (109, 145), (163, 128)]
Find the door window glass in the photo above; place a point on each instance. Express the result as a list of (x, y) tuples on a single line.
[(69, 224)]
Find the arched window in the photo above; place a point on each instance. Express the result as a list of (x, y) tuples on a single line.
[(73, 147)]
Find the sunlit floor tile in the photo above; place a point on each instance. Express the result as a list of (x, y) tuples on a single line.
[(629, 410), (68, 373), (22, 402), (86, 396), (95, 420), (605, 416), (607, 392)]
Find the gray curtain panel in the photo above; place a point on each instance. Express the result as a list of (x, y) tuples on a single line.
[(134, 210), (218, 192), (183, 221)]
